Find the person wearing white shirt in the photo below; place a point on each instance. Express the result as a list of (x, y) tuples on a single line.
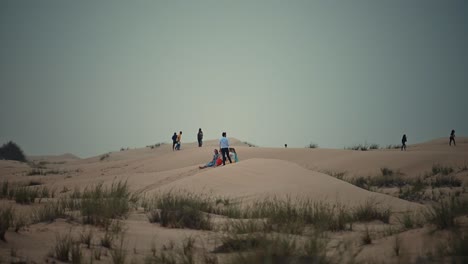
[(224, 146)]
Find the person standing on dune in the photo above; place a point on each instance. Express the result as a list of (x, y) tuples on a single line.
[(179, 137), (200, 137), (174, 141), (452, 138), (224, 146), (403, 142)]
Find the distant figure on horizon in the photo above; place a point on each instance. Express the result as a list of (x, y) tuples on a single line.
[(403, 142), (200, 137), (285, 145), (179, 137), (174, 141), (452, 138), (224, 146)]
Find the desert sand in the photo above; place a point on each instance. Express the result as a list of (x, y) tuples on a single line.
[(286, 173)]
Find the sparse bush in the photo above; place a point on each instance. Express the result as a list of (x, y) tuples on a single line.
[(369, 212), (393, 146), (86, 237), (100, 204), (63, 247), (366, 238), (25, 195), (446, 181), (6, 219), (386, 171), (104, 156), (76, 254), (444, 170), (397, 246), (119, 254), (11, 151), (443, 214), (374, 146), (181, 210), (49, 212), (312, 145)]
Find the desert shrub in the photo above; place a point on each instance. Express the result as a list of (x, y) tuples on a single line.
[(76, 254), (99, 204), (11, 151), (104, 156), (25, 195), (386, 171), (86, 237), (374, 146), (410, 220), (312, 145), (6, 220), (62, 248), (181, 210), (397, 246), (446, 181), (49, 212), (443, 214), (393, 146), (278, 249), (444, 170), (119, 254), (370, 211), (366, 238)]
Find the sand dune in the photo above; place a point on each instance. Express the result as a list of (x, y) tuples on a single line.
[(261, 172)]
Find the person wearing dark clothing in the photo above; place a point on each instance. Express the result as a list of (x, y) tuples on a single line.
[(200, 137), (452, 138), (174, 140), (403, 142), (224, 146)]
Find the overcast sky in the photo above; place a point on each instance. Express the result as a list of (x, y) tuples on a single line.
[(88, 77)]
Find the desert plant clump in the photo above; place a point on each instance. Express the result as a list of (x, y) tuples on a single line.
[(181, 210), (63, 246), (440, 169), (104, 157), (11, 151), (312, 145), (366, 238), (446, 181), (443, 214), (49, 212), (374, 146), (99, 204), (369, 212), (6, 220)]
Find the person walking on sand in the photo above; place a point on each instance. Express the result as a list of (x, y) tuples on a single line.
[(179, 137), (452, 138), (174, 141), (224, 146), (403, 142), (200, 137)]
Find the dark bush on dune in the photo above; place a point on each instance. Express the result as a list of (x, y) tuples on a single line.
[(11, 151)]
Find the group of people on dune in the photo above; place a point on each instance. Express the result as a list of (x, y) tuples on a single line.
[(451, 139), (219, 156)]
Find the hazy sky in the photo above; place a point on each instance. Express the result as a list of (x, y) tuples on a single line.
[(88, 77)]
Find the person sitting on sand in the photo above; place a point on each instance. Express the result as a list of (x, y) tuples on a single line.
[(213, 162), (403, 142), (233, 154), (452, 138)]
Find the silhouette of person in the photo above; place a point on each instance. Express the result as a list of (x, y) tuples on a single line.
[(200, 137), (452, 138), (285, 145), (224, 146), (403, 142), (174, 141)]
